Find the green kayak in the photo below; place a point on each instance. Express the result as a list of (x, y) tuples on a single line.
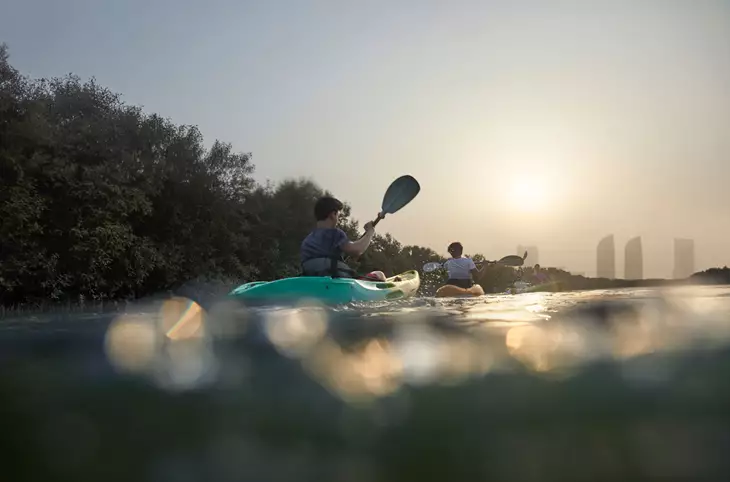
[(330, 290)]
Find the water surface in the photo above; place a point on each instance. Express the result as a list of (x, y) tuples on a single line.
[(602, 385)]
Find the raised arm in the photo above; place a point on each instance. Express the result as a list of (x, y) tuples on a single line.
[(357, 248)]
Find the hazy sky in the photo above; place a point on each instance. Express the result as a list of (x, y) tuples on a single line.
[(616, 113)]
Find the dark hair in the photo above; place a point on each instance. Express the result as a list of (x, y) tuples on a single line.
[(455, 247), (325, 206)]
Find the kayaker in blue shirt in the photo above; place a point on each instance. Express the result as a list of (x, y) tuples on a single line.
[(323, 250), (461, 269)]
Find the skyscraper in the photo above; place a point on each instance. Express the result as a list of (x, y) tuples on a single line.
[(684, 258), (532, 254), (606, 258), (633, 259)]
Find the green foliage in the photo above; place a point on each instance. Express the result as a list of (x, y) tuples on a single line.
[(98, 199)]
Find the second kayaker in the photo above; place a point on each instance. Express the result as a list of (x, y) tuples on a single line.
[(323, 251), (461, 269)]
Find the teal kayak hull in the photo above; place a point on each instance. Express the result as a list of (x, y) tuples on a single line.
[(330, 290)]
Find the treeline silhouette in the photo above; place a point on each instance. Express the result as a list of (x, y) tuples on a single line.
[(712, 276), (99, 200)]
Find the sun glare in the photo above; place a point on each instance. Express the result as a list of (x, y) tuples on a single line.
[(527, 195)]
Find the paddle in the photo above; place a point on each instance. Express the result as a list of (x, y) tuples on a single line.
[(399, 193), (511, 260)]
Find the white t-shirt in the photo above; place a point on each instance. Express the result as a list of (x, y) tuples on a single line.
[(459, 268)]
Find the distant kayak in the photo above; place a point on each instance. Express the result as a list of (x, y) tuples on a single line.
[(448, 291), (330, 290)]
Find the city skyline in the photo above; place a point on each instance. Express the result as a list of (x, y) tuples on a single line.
[(684, 258), (606, 258), (684, 255), (633, 259)]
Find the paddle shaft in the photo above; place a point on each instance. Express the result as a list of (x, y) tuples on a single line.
[(506, 261), (375, 222)]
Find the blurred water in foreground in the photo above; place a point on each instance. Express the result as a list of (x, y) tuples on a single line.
[(603, 385)]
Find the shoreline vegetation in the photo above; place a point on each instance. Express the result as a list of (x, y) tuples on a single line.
[(102, 204)]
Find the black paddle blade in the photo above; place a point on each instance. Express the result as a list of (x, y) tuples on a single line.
[(401, 192), (512, 260)]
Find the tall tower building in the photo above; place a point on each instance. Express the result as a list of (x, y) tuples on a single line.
[(684, 258), (634, 259), (606, 258), (532, 254)]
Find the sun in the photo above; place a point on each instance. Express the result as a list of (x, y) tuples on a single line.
[(528, 195)]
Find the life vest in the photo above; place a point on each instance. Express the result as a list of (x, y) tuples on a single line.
[(333, 266)]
